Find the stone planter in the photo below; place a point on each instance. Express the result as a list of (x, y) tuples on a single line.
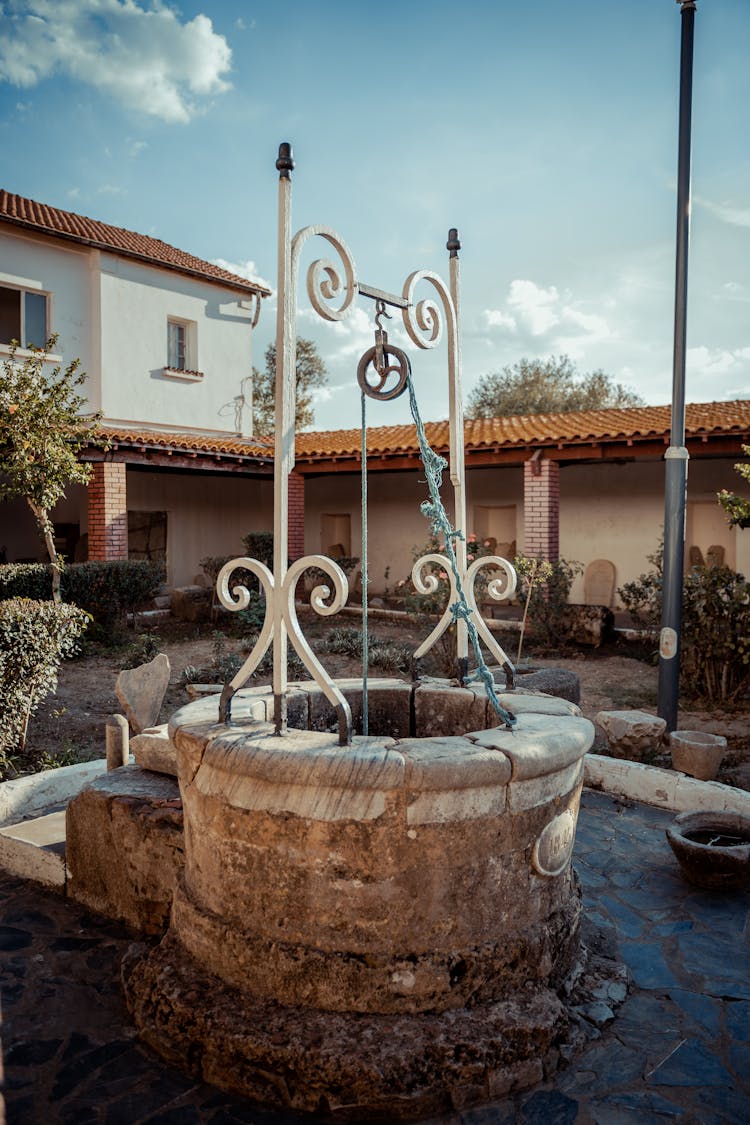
[(697, 753), (712, 848), (374, 930)]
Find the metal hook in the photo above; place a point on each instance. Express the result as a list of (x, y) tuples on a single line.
[(380, 310)]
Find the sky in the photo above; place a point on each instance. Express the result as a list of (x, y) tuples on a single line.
[(546, 132)]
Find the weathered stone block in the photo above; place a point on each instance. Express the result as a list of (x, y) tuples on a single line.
[(191, 603), (632, 734), (154, 750), (125, 847)]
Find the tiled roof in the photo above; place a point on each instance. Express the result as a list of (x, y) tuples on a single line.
[(576, 427), (634, 424), (208, 444), (77, 228)]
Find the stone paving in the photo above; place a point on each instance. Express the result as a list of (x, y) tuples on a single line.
[(678, 1049)]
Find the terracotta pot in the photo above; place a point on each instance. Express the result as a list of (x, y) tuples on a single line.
[(697, 753), (712, 848)]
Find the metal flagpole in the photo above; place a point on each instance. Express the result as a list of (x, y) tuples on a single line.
[(676, 457)]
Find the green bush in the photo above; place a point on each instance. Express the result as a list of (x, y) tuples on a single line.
[(105, 589), (548, 602), (25, 580), (715, 633), (259, 545), (110, 590), (34, 637)]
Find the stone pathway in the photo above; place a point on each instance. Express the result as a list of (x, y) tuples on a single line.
[(678, 1050)]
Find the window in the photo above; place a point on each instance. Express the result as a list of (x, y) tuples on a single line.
[(177, 345), (23, 317)]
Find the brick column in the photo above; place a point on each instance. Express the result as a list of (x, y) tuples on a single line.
[(541, 504), (296, 516), (108, 511)]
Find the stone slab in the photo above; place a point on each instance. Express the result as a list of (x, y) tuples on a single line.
[(539, 744), (154, 750), (35, 849), (632, 734), (666, 789), (37, 792), (141, 692)]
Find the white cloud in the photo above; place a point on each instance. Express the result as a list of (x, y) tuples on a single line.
[(246, 269), (707, 363), (535, 307), (135, 148), (145, 57), (496, 318), (736, 216)]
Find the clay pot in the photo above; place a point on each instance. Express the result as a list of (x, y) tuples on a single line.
[(712, 848), (697, 753)]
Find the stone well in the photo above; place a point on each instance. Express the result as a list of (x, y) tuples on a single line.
[(373, 931)]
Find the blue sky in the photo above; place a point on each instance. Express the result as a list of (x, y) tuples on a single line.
[(545, 131)]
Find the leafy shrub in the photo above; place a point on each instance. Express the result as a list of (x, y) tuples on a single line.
[(142, 650), (345, 641), (34, 637), (548, 601), (715, 633), (259, 545), (109, 590), (25, 580), (251, 619), (390, 656)]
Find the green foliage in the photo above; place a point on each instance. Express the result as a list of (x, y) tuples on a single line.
[(715, 632), (737, 508), (109, 590), (531, 572), (251, 620), (34, 637), (259, 545), (386, 656), (311, 374), (42, 431), (142, 650), (546, 588), (25, 580), (552, 386)]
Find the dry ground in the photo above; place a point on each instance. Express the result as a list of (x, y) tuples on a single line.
[(69, 725)]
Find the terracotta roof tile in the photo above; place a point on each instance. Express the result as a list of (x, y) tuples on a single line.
[(636, 423), (228, 445), (77, 228), (534, 429)]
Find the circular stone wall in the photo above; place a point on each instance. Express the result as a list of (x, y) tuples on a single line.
[(385, 922)]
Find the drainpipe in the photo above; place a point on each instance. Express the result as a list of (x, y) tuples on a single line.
[(676, 458)]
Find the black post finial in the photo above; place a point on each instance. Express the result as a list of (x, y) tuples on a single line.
[(285, 162), (453, 245)]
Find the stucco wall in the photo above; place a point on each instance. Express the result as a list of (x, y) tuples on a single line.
[(616, 512), (206, 514), (136, 302), (65, 273)]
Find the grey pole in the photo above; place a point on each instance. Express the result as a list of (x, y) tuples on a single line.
[(675, 480)]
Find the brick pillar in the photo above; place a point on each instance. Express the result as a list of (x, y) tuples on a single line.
[(541, 503), (108, 511), (296, 516)]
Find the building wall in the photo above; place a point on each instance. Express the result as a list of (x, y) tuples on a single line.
[(206, 514), (616, 512), (65, 272), (136, 303)]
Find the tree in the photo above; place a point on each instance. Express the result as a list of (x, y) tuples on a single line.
[(311, 373), (42, 431), (737, 508), (551, 386)]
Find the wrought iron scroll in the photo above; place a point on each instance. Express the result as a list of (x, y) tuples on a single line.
[(325, 283)]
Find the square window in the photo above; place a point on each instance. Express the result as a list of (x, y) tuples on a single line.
[(23, 317)]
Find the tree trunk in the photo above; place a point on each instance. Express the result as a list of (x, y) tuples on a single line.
[(46, 531)]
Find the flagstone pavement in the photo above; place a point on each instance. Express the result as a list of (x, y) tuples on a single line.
[(678, 1049)]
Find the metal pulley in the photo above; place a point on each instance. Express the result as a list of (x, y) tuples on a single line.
[(375, 368)]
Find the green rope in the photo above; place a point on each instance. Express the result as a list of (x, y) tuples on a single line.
[(365, 636), (434, 511)]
